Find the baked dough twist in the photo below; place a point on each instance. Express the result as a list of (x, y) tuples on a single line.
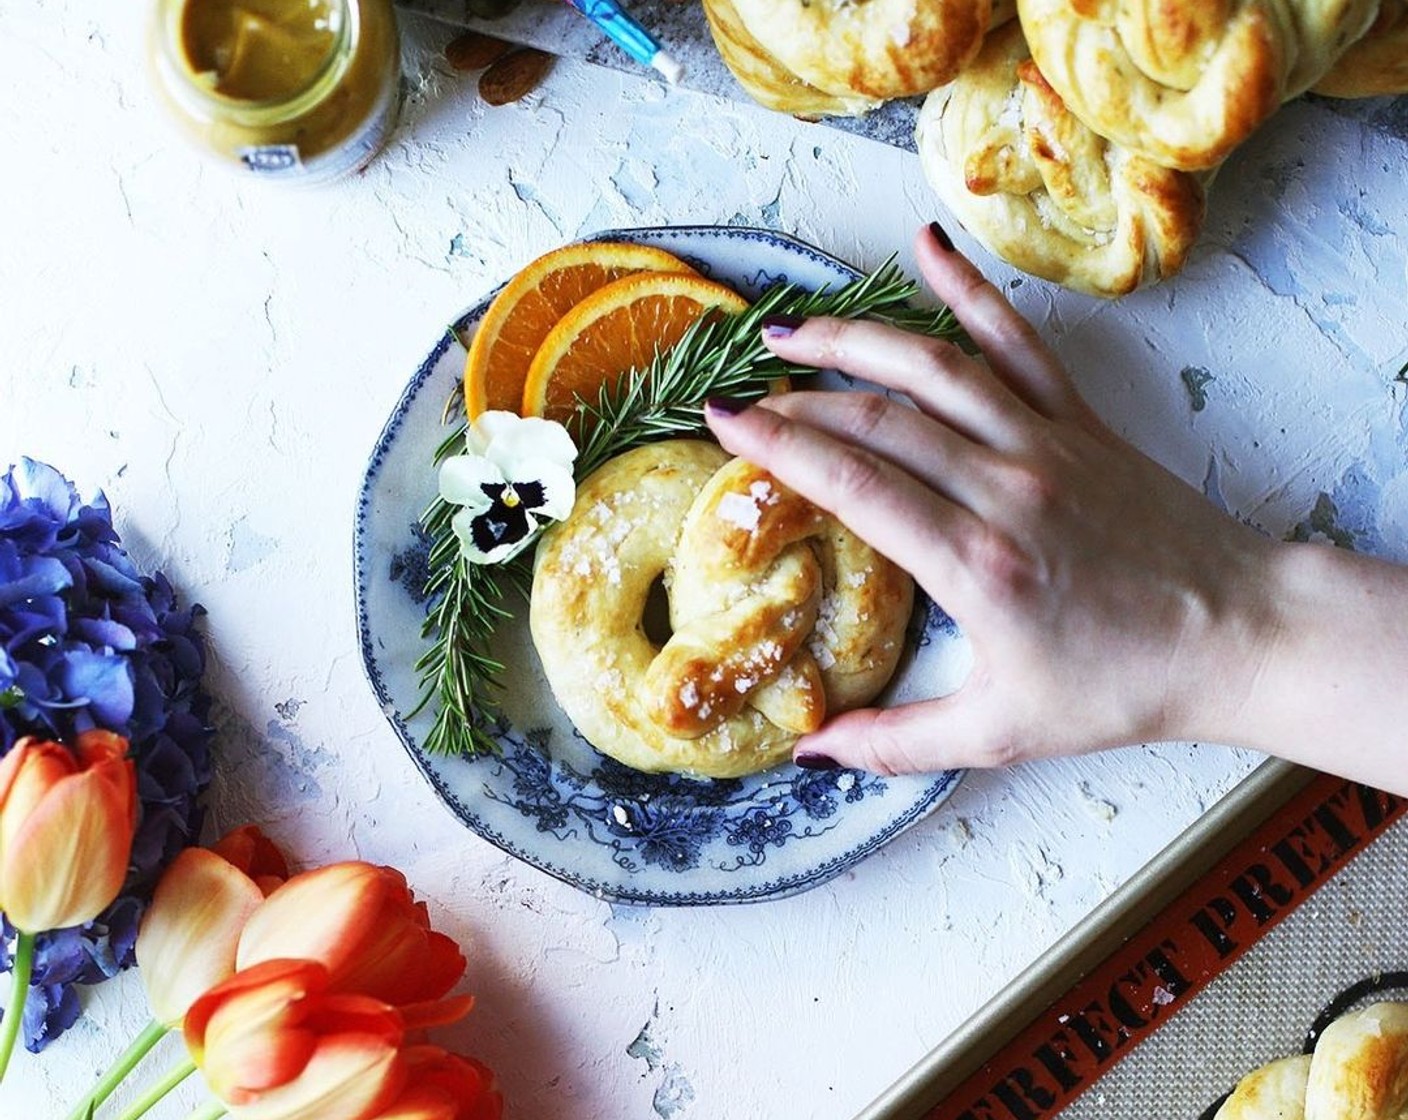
[(1185, 81), (1359, 1071), (780, 614), (877, 49), (1376, 65), (765, 79), (1275, 1091), (1044, 192)]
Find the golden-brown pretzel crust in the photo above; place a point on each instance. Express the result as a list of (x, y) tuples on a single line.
[(765, 79), (1183, 82), (1043, 191), (780, 614), (1359, 1070), (1377, 65), (875, 48)]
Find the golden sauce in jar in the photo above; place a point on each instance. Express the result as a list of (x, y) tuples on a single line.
[(300, 90), (259, 50)]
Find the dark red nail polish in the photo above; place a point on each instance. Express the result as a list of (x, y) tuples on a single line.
[(810, 760), (726, 406), (780, 326), (941, 236)]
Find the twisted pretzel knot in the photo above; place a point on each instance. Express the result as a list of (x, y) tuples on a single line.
[(1183, 82), (779, 613), (765, 79), (1045, 192), (875, 48)]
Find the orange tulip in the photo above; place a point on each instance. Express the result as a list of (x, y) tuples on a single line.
[(445, 1086), (67, 818), (362, 922), (254, 854), (187, 942), (275, 1042)]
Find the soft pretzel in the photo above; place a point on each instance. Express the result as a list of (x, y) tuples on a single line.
[(765, 79), (1044, 192), (1358, 1071), (780, 615), (876, 48), (1378, 63), (1185, 81), (1275, 1091)]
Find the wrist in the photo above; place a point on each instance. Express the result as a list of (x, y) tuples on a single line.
[(1232, 655), (1318, 680)]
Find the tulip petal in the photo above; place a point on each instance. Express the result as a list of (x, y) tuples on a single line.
[(363, 923), (435, 1013), (67, 858), (321, 915), (347, 1077), (10, 766), (187, 942), (31, 771), (406, 962), (254, 854), (263, 992), (445, 1086)]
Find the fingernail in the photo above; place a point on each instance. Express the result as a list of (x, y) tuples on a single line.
[(941, 236), (810, 760), (726, 406), (780, 326)]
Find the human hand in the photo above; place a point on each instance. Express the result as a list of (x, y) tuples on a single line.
[(1106, 601)]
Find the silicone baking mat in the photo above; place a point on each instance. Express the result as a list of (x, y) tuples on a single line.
[(1304, 918)]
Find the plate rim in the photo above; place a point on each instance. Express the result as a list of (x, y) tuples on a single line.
[(783, 886)]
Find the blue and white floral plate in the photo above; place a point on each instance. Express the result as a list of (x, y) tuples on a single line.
[(549, 798)]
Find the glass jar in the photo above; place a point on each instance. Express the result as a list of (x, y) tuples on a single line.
[(299, 91)]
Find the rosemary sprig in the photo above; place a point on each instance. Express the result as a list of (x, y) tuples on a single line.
[(718, 356)]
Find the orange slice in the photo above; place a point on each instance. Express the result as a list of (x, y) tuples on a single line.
[(529, 307), (616, 329)]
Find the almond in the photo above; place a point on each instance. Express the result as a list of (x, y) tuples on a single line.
[(473, 51), (513, 76)]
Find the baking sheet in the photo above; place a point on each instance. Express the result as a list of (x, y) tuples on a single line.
[(681, 28), (1280, 908)]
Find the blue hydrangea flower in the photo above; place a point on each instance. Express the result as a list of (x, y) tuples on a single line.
[(88, 641)]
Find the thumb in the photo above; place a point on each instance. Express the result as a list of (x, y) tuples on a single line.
[(951, 733)]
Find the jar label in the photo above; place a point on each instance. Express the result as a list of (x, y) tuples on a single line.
[(284, 162), (271, 159)]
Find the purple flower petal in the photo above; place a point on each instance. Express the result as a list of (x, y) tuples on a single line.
[(103, 681)]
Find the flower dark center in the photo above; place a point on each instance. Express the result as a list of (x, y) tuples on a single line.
[(506, 521)]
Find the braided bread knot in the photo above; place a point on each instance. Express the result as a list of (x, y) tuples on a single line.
[(1183, 82), (779, 614), (1045, 192), (876, 49)]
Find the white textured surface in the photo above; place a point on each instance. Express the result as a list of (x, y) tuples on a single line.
[(219, 359)]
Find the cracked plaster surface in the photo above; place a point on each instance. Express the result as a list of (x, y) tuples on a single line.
[(220, 359)]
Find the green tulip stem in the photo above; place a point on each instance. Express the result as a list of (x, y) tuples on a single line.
[(173, 1077), (210, 1110), (20, 972), (150, 1035)]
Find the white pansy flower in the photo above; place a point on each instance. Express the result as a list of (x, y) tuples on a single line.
[(516, 475)]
